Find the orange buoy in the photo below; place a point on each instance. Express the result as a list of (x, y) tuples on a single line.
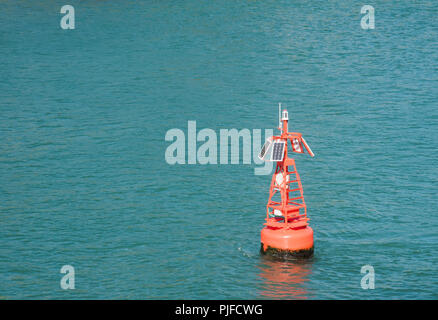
[(286, 232)]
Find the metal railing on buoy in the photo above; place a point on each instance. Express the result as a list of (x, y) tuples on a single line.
[(287, 231)]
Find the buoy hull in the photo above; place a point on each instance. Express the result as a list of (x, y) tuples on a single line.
[(287, 242)]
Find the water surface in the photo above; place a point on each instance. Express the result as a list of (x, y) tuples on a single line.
[(84, 112)]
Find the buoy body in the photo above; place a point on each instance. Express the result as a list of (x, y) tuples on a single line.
[(286, 232), (287, 242)]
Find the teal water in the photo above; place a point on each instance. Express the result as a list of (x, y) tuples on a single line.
[(84, 112)]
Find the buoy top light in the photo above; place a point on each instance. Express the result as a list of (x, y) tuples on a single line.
[(285, 115)]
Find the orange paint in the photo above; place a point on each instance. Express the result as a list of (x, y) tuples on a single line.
[(287, 239), (286, 228)]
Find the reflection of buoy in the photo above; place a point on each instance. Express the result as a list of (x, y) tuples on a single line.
[(285, 279), (286, 231)]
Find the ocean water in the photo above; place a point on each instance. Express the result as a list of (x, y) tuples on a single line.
[(83, 119)]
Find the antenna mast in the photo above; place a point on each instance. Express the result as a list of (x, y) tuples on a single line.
[(280, 126)]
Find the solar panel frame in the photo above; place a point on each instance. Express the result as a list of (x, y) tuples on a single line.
[(266, 151), (277, 153)]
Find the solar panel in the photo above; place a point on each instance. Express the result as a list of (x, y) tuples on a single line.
[(265, 149), (296, 145), (278, 151)]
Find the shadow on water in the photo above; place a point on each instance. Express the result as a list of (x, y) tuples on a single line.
[(284, 279)]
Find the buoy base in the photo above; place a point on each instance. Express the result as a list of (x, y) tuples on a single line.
[(286, 254), (284, 243)]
